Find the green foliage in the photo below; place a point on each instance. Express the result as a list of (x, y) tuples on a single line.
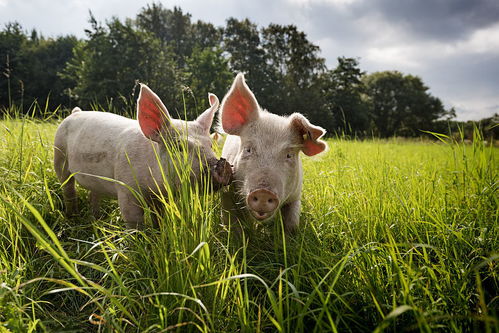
[(291, 55), (113, 58), (400, 104), (343, 89), (242, 43), (293, 65), (29, 67), (395, 235), (201, 65), (172, 28)]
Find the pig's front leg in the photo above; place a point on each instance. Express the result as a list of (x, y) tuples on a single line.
[(130, 208), (291, 215), (230, 216)]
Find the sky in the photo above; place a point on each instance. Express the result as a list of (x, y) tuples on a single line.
[(453, 45)]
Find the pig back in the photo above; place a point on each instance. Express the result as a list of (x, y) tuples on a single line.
[(231, 148), (92, 142)]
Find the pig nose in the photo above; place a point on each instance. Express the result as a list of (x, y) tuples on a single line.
[(262, 203)]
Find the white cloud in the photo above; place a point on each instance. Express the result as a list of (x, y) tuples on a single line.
[(392, 57), (475, 108), (481, 41)]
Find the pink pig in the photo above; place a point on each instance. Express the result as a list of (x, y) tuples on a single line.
[(91, 145), (264, 150)]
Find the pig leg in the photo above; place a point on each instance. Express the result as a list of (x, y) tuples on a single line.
[(70, 196), (291, 215), (130, 209), (95, 204), (68, 189), (229, 215)]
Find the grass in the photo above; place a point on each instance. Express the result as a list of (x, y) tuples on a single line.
[(395, 236)]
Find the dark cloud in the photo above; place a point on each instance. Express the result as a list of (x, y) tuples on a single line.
[(440, 20), (435, 19)]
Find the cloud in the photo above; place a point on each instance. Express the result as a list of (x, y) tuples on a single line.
[(58, 17), (435, 20), (483, 41), (444, 43)]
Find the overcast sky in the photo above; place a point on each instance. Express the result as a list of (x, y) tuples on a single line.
[(453, 45)]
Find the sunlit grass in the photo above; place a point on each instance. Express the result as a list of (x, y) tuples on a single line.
[(394, 236)]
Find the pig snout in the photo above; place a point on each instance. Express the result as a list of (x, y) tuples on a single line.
[(262, 203), (221, 172)]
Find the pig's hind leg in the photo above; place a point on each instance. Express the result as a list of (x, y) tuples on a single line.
[(95, 204), (64, 175)]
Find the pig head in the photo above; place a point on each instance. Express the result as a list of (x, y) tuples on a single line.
[(118, 157), (264, 150)]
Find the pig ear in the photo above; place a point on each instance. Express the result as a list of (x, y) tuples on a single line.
[(152, 114), (239, 107), (205, 119), (310, 134)]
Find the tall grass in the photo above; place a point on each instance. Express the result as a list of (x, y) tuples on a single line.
[(394, 236)]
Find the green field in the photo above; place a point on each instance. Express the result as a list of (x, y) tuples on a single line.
[(395, 236)]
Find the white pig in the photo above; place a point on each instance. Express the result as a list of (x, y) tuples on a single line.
[(92, 144), (264, 150)]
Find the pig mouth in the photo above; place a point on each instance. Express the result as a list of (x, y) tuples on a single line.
[(261, 216)]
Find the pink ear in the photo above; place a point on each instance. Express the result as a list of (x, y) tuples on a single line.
[(239, 107), (205, 119), (310, 134), (213, 99), (151, 113)]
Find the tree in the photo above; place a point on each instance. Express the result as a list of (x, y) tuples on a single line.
[(30, 66), (107, 66), (242, 44), (171, 27), (294, 66), (342, 89), (13, 67), (208, 71), (400, 104), (291, 54), (156, 19), (48, 58), (206, 35)]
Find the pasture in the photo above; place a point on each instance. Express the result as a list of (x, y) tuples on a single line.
[(394, 236)]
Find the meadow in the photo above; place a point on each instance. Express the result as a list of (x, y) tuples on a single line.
[(396, 235)]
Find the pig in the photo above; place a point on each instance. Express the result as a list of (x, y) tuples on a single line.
[(91, 145), (264, 150)]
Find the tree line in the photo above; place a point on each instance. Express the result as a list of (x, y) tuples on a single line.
[(183, 60)]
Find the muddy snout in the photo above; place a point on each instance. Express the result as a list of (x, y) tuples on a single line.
[(221, 172), (262, 203)]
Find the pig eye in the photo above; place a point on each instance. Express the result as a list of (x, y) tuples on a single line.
[(289, 155), (248, 149)]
